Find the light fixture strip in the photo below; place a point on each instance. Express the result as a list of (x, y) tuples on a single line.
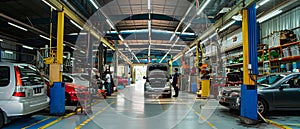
[(149, 4), (269, 15), (121, 38), (27, 47), (49, 4), (74, 23), (263, 2), (94, 4), (203, 7), (19, 27), (1, 40), (227, 25), (42, 36), (110, 24), (8, 52)]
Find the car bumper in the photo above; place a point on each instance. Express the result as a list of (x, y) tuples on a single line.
[(230, 102), (24, 107), (157, 92)]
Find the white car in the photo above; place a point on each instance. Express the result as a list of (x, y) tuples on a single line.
[(22, 91)]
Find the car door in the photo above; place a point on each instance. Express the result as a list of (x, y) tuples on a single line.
[(288, 94)]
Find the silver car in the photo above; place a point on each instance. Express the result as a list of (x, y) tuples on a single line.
[(158, 81), (22, 91)]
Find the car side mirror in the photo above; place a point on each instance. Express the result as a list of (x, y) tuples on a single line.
[(284, 86)]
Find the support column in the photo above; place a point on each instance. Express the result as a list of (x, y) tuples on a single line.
[(57, 68), (248, 89), (90, 57), (116, 63)]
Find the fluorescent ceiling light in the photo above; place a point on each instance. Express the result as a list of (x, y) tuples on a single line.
[(121, 37), (49, 4), (74, 48), (149, 4), (172, 37), (126, 45), (104, 45), (95, 50), (269, 15), (44, 37), (149, 25), (203, 7), (263, 2), (94, 4), (192, 49), (213, 35), (72, 58), (227, 25), (237, 17), (146, 30), (27, 47), (64, 44), (82, 51), (187, 26), (74, 23), (81, 33), (110, 24), (8, 52), (22, 28), (1, 40), (64, 56), (177, 58)]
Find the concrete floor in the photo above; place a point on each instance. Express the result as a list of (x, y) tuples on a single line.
[(128, 109)]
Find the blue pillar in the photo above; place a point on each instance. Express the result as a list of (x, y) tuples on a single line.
[(249, 90)]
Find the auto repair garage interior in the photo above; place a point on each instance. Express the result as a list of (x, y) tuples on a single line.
[(111, 64)]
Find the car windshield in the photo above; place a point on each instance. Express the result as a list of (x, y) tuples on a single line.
[(269, 79)]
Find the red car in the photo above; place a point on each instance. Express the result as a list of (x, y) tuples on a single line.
[(122, 81), (73, 92)]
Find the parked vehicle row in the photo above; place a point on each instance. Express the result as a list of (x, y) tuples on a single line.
[(275, 92), (22, 91)]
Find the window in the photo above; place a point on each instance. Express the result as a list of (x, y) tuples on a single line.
[(4, 76), (270, 80), (30, 76), (293, 82), (67, 79)]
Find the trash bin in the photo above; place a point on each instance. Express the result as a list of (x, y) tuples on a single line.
[(57, 98)]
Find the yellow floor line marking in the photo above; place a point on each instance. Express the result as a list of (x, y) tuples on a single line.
[(61, 118), (37, 122), (162, 105), (202, 117), (88, 120), (57, 120), (277, 124)]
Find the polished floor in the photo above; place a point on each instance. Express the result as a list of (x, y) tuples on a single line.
[(128, 109)]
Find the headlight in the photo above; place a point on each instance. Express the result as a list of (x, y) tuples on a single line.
[(234, 94)]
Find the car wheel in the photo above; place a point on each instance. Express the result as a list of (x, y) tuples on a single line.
[(1, 119), (261, 106)]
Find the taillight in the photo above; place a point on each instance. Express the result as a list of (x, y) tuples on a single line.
[(19, 94), (18, 77), (19, 90)]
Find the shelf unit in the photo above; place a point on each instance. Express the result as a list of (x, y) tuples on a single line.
[(282, 58), (287, 55)]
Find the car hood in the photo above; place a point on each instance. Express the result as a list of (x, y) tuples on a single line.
[(238, 88), (75, 86)]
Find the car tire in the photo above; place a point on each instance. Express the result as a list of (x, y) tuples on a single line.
[(262, 106), (1, 119), (169, 95)]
